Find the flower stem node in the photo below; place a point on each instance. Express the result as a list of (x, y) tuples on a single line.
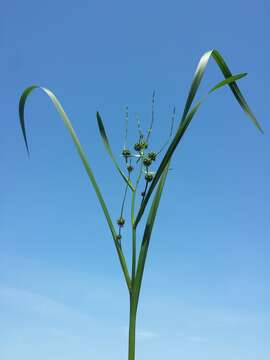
[(121, 221), (152, 155), (149, 176)]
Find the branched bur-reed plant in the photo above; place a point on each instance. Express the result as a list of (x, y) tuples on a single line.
[(146, 184)]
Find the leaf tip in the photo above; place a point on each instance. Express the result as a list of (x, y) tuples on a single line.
[(261, 130)]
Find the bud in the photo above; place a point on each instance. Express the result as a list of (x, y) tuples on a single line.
[(152, 155), (121, 221), (143, 193), (118, 237)]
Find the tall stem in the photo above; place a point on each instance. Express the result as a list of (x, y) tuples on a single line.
[(133, 295), (132, 299), (132, 328)]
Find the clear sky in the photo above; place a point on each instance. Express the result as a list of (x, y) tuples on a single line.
[(206, 292)]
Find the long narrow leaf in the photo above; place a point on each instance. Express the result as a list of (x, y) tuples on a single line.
[(179, 134), (228, 81), (147, 233), (109, 150), (82, 155), (75, 139), (227, 73)]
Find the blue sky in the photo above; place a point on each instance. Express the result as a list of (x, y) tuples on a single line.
[(206, 288)]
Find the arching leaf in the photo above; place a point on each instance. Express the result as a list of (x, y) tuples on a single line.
[(109, 150), (83, 157), (179, 134)]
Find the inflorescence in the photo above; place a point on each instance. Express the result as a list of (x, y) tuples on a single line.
[(140, 157)]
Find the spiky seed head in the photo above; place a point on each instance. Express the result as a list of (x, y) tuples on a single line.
[(126, 153), (152, 155), (149, 176), (121, 221), (144, 144), (138, 147), (147, 161), (130, 168)]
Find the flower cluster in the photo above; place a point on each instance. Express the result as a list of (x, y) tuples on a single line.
[(140, 155)]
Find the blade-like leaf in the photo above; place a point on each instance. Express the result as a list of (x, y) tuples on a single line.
[(228, 81), (227, 73), (180, 132), (75, 139), (235, 89), (82, 155), (147, 233), (109, 150)]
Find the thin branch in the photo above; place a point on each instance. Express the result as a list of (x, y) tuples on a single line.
[(140, 174), (126, 127), (144, 191), (152, 117), (139, 126), (122, 207)]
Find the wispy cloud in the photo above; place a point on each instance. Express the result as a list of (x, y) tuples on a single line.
[(194, 338), (146, 335), (42, 307), (142, 334), (191, 337)]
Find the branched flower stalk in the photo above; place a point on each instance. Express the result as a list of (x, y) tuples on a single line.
[(141, 158)]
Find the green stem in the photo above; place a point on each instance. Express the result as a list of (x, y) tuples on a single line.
[(134, 256), (132, 328)]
